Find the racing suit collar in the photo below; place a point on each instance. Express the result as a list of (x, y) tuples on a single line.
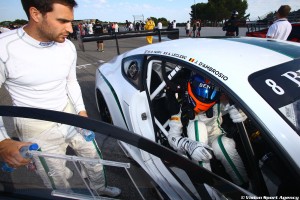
[(28, 39)]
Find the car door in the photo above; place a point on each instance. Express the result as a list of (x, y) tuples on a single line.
[(142, 122)]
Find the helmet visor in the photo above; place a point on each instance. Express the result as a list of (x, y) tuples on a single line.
[(204, 90)]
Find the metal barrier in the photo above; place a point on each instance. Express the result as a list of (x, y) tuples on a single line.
[(171, 34)]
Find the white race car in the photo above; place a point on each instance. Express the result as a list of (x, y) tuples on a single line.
[(260, 76)]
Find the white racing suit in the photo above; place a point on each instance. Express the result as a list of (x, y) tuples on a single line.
[(54, 138), (208, 131)]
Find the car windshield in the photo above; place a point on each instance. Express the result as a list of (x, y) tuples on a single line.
[(278, 85)]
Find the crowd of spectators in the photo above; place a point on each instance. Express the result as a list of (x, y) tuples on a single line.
[(8, 27)]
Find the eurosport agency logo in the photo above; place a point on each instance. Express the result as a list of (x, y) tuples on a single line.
[(271, 197)]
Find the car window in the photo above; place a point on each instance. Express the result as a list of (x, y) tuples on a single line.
[(255, 149), (132, 70), (278, 86)]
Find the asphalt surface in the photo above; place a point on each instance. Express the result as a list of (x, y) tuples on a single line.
[(25, 182)]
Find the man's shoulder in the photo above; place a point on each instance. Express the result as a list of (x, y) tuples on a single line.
[(7, 38), (281, 23)]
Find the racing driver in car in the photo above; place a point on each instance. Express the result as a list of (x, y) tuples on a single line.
[(196, 130)]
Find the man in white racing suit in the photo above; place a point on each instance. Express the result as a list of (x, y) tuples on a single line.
[(204, 132), (38, 69)]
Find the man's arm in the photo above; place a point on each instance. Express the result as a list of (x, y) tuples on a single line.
[(271, 32), (9, 149), (74, 90)]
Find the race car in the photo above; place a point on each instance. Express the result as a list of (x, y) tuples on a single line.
[(261, 78), (294, 35)]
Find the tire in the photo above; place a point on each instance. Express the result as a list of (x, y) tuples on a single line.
[(103, 108)]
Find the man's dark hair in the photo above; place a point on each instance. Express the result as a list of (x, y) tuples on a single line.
[(284, 10), (45, 6)]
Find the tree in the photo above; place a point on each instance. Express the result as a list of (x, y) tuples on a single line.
[(20, 21), (215, 11), (154, 19), (163, 20)]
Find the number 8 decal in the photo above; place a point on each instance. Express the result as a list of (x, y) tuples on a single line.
[(277, 89)]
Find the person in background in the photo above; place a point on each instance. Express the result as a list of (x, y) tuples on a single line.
[(81, 29), (187, 28), (149, 26), (137, 26), (174, 24), (198, 25), (75, 31), (90, 28), (116, 27), (142, 25), (159, 25), (194, 28), (231, 25), (38, 69), (98, 30), (170, 25), (131, 28), (112, 27), (281, 28)]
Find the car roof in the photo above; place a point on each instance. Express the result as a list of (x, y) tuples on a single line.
[(245, 55)]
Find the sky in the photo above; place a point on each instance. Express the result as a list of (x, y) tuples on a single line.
[(121, 10)]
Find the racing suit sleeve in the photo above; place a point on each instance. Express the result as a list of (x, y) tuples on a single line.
[(73, 88), (3, 133)]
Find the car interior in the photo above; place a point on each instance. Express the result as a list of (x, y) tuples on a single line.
[(268, 171)]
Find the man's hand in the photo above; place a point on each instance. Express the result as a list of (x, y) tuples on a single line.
[(83, 113), (9, 152), (197, 150), (236, 115)]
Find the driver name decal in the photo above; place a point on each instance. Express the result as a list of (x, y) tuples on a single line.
[(192, 60), (175, 55), (209, 68)]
